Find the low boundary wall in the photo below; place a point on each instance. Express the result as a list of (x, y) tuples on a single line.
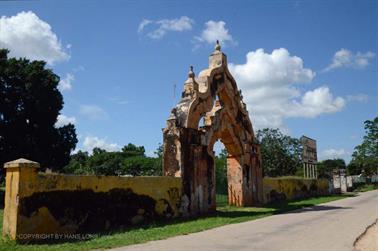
[(39, 203), (282, 188)]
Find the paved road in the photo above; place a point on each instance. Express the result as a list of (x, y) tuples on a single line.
[(331, 226)]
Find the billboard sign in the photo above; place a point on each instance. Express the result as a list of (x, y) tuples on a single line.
[(309, 153)]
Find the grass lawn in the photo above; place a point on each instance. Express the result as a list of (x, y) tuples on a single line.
[(162, 230), (366, 187)]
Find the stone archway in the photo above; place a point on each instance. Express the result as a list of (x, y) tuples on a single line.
[(188, 147)]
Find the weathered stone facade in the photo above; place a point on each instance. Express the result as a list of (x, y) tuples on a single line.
[(188, 148)]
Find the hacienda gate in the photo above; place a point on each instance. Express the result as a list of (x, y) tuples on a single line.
[(188, 148)]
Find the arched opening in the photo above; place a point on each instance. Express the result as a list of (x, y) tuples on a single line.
[(231, 177), (201, 122), (221, 181)]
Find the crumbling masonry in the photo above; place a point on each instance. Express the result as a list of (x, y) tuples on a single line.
[(188, 148)]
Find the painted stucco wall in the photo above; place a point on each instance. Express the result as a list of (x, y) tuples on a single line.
[(39, 203), (277, 189)]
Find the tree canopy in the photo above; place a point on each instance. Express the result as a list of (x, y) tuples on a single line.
[(30, 103), (281, 154), (365, 155), (130, 161), (326, 167)]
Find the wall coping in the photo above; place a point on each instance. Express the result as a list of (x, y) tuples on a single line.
[(21, 163)]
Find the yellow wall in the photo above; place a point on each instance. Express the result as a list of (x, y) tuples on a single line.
[(31, 200), (292, 188), (39, 203)]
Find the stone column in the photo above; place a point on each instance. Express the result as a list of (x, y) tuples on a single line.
[(316, 171), (309, 171), (304, 170), (17, 172)]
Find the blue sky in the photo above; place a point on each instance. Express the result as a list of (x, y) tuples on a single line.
[(307, 67)]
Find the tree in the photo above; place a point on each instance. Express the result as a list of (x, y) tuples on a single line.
[(130, 161), (141, 165), (159, 151), (281, 154), (133, 150), (365, 155), (158, 166), (326, 167), (221, 172), (105, 163), (78, 164), (30, 103)]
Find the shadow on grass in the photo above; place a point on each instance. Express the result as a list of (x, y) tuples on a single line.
[(222, 215)]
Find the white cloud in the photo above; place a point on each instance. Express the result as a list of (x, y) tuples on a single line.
[(346, 58), (161, 27), (93, 112), (63, 120), (66, 83), (91, 142), (25, 35), (268, 82), (334, 154), (215, 31), (316, 102), (143, 24), (361, 97)]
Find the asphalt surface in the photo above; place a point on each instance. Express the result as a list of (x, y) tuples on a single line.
[(332, 226)]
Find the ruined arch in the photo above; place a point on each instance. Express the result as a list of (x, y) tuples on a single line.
[(188, 148)]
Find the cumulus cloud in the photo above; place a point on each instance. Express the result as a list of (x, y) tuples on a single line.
[(91, 142), (93, 112), (66, 83), (214, 31), (269, 84), (63, 120), (25, 35), (316, 102), (161, 27), (333, 154), (346, 58)]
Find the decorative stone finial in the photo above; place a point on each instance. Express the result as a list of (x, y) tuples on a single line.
[(191, 73), (217, 46)]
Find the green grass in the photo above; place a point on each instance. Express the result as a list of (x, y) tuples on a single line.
[(366, 187), (162, 230)]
